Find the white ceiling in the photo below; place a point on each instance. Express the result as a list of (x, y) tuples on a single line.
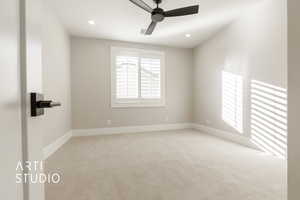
[(122, 20)]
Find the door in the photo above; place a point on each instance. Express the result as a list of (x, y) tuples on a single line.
[(31, 81), (20, 74), (10, 102)]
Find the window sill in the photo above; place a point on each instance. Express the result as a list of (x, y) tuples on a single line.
[(137, 105)]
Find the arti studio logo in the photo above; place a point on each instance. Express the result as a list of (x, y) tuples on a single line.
[(33, 172)]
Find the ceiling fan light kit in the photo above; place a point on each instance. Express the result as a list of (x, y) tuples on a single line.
[(158, 14)]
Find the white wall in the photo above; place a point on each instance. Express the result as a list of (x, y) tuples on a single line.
[(294, 99), (90, 61), (56, 77), (253, 46)]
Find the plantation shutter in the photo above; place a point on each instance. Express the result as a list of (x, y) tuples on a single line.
[(137, 78), (127, 75), (150, 78)]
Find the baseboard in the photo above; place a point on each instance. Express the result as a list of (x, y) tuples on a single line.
[(129, 129), (242, 140), (51, 148)]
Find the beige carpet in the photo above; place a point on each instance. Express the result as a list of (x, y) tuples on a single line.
[(171, 165)]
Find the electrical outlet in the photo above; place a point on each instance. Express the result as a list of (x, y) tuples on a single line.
[(108, 122)]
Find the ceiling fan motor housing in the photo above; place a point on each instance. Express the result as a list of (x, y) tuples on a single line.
[(157, 15), (157, 1)]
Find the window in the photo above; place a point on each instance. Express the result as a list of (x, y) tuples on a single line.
[(137, 78), (232, 100), (127, 77)]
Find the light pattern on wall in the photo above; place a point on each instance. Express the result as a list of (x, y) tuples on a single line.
[(269, 118), (232, 100)]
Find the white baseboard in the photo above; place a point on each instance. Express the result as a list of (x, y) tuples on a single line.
[(51, 148), (129, 129), (243, 140)]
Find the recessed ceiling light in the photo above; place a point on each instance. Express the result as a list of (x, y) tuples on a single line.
[(91, 22), (187, 35)]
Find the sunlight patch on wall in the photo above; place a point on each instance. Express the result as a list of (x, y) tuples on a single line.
[(232, 100), (269, 118)]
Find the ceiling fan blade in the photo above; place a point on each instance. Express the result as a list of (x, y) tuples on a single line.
[(142, 5), (150, 29), (190, 10)]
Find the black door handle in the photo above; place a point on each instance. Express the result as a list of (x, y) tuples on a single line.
[(47, 104), (38, 104)]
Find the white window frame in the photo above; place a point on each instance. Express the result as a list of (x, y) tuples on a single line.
[(139, 102)]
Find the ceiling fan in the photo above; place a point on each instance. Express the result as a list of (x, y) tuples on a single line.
[(158, 14)]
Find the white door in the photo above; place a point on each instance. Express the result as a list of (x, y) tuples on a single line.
[(31, 63), (20, 74), (10, 104)]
